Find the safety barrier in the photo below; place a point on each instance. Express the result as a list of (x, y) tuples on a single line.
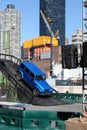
[(72, 98), (19, 119)]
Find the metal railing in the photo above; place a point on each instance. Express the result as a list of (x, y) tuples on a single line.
[(11, 77), (10, 57)]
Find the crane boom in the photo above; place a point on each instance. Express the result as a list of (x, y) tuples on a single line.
[(47, 24)]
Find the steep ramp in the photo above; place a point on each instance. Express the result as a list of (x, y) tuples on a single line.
[(8, 66)]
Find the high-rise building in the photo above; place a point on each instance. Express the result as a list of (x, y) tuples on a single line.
[(55, 10), (10, 31), (77, 37), (77, 40)]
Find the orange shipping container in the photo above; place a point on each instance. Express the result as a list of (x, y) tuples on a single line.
[(27, 44), (42, 40), (54, 42)]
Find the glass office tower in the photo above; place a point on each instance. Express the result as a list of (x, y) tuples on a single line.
[(55, 10)]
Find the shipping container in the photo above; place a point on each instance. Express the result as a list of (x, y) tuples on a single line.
[(38, 41), (45, 55), (54, 42), (27, 44)]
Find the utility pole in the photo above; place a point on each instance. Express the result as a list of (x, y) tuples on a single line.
[(51, 68)]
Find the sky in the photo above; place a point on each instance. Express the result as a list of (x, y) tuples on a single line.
[(29, 10), (73, 17)]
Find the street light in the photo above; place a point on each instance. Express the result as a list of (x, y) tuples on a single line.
[(51, 68), (57, 38)]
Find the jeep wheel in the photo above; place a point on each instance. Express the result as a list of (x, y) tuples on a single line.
[(36, 92), (18, 76)]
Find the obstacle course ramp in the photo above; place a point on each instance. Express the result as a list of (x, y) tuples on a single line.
[(8, 66)]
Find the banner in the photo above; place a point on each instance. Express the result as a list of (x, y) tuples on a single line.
[(6, 40)]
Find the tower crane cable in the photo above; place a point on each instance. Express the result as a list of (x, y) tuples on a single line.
[(47, 21)]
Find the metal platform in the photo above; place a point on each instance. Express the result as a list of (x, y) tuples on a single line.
[(58, 108), (74, 107)]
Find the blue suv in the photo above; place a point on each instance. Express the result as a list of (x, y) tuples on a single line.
[(34, 77)]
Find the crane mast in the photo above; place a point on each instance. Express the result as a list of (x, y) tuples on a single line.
[(47, 23)]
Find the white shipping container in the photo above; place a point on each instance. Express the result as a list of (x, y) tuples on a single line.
[(66, 73), (45, 55)]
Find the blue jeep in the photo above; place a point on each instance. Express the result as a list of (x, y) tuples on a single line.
[(34, 77)]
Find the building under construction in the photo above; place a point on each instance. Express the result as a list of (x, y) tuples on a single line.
[(38, 50), (44, 50), (38, 47)]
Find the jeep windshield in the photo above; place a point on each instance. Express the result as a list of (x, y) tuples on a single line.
[(40, 77)]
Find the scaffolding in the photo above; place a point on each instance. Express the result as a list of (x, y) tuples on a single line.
[(84, 43)]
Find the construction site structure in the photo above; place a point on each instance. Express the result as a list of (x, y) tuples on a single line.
[(42, 40), (38, 47), (84, 20), (84, 46)]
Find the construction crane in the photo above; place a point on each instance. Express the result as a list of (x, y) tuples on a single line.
[(47, 21)]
